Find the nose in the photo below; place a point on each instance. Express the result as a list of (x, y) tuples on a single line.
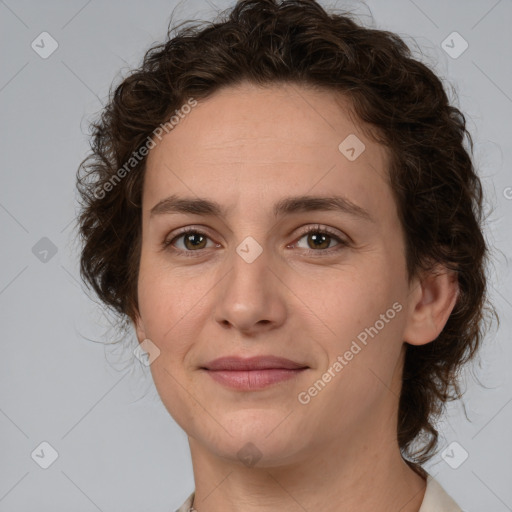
[(252, 297)]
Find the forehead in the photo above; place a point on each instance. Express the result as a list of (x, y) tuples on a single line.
[(268, 141)]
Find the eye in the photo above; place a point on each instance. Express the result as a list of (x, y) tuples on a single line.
[(319, 239), (193, 241)]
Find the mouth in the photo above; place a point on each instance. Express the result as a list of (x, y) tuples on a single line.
[(252, 373)]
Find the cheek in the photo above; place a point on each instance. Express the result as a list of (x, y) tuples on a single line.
[(365, 314), (159, 303), (166, 314), (173, 386), (355, 299), (173, 307)]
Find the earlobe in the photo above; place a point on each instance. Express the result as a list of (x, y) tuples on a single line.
[(432, 305)]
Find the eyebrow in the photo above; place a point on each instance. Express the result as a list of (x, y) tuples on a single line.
[(285, 206)]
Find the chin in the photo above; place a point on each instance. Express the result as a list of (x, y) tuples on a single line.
[(259, 438)]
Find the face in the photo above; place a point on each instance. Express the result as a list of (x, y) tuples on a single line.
[(314, 284)]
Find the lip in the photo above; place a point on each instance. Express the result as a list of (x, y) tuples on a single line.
[(254, 373), (233, 363)]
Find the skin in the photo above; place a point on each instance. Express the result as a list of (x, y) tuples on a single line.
[(247, 147)]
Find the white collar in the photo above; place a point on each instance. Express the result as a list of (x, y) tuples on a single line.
[(436, 499)]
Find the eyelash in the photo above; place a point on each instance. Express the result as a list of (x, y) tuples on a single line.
[(167, 244)]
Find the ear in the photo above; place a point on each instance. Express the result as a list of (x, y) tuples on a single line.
[(432, 299)]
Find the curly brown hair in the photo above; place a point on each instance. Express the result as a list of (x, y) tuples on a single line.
[(437, 191)]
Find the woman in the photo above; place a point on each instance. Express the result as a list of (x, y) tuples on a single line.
[(281, 206)]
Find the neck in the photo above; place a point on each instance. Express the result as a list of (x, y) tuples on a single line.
[(362, 475)]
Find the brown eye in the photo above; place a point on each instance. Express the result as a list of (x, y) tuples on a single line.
[(320, 240), (191, 240), (194, 241)]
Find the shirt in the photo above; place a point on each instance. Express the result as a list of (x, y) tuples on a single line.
[(436, 499)]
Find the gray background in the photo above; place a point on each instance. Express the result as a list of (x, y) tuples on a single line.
[(118, 447)]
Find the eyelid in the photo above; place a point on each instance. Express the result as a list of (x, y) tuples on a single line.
[(170, 239), (344, 241), (313, 228)]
